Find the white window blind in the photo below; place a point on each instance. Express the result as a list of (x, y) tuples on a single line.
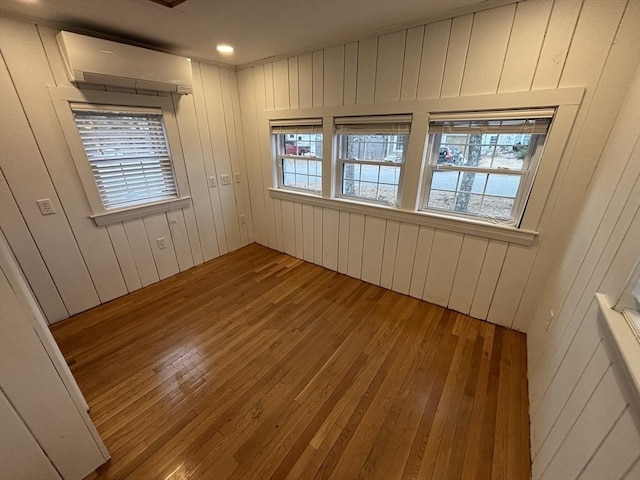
[(375, 125), (304, 126), (128, 153)]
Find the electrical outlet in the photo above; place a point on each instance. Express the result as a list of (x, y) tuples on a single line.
[(225, 179), (549, 320), (242, 220), (45, 206), (161, 244), (212, 182), (236, 177)]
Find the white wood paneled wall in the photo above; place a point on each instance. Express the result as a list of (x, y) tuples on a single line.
[(582, 422), (70, 263), (530, 45)]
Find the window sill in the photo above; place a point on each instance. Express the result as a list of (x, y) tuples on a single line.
[(623, 340), (117, 216), (442, 222)]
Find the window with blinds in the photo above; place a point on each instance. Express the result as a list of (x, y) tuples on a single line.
[(371, 156), (482, 165), (299, 154), (128, 153)]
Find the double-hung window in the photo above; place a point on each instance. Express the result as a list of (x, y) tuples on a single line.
[(371, 156), (128, 154), (482, 165), (298, 147)]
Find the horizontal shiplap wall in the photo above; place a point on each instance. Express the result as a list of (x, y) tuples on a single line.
[(530, 45), (582, 422), (70, 263)]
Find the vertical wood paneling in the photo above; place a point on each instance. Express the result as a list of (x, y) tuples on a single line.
[(456, 55), (277, 209), (372, 250), (281, 84), (330, 227), (294, 92), (22, 456), (307, 232), (556, 44), (157, 227), (356, 239), (421, 261), (221, 153), (599, 415), (235, 136), (487, 49), (248, 104), (25, 171), (210, 168), (467, 274), (125, 256), (528, 31), (268, 86), (180, 239), (619, 451), (434, 55), (343, 243), (288, 228), (412, 57), (491, 268), (30, 78), (23, 246), (305, 80), (265, 155), (442, 267), (389, 66), (350, 73), (318, 78), (367, 55), (405, 252), (333, 75), (139, 242), (513, 278), (297, 214), (560, 416), (389, 253), (317, 235)]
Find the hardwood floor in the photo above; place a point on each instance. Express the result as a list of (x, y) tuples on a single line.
[(260, 366)]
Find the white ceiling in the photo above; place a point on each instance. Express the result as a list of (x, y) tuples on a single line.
[(257, 29)]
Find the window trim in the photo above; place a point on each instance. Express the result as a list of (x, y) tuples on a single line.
[(527, 174), (302, 123), (566, 101), (63, 97), (341, 146)]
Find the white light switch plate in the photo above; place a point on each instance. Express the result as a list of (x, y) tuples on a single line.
[(225, 179)]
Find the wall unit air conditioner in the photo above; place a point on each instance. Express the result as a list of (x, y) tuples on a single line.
[(97, 61)]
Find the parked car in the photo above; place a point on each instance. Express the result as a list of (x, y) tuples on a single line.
[(449, 155)]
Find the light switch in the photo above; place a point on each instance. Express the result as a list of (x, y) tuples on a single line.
[(212, 182), (225, 179), (236, 177)]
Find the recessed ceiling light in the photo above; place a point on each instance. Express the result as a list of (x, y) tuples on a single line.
[(226, 49)]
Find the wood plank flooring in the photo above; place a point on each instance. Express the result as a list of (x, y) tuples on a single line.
[(257, 365)]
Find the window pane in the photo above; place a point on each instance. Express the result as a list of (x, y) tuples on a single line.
[(444, 180), (497, 207), (369, 173), (288, 165), (441, 200), (503, 185), (383, 148), (390, 175)]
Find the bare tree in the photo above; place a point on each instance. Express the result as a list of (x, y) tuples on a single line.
[(473, 160)]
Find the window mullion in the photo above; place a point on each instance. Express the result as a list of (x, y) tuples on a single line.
[(328, 158), (410, 175)]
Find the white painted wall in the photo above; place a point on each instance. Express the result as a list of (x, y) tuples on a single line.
[(584, 423), (70, 263), (531, 45), (46, 431)]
